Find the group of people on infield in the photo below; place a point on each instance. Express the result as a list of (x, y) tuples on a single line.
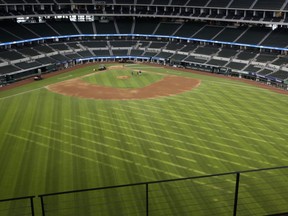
[(138, 73)]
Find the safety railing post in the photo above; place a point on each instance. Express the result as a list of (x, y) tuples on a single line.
[(147, 199), (42, 205), (236, 194), (32, 206)]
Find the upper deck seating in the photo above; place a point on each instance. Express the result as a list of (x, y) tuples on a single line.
[(245, 4), (208, 32), (124, 26), (18, 30), (269, 5), (230, 34), (161, 2), (64, 27), (7, 37), (41, 29), (28, 52), (129, 2), (198, 3), (145, 2), (85, 27), (277, 38), (188, 29), (253, 35), (10, 55), (145, 27), (218, 3), (179, 2), (105, 28), (167, 28)]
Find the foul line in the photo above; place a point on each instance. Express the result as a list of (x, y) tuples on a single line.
[(2, 98)]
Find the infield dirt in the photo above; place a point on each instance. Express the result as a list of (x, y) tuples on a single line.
[(169, 85)]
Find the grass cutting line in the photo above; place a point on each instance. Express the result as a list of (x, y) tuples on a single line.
[(236, 108), (203, 127), (225, 112), (85, 148), (161, 144), (25, 92), (187, 136), (212, 124), (125, 151), (190, 114), (199, 146), (240, 98), (71, 144), (217, 143), (57, 149)]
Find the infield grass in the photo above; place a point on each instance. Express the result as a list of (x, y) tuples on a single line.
[(51, 143), (123, 78)]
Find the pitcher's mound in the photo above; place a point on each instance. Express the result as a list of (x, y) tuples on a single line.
[(123, 77)]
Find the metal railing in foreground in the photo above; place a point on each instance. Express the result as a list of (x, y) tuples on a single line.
[(250, 192), (17, 206)]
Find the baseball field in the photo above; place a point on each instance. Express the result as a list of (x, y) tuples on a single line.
[(87, 129)]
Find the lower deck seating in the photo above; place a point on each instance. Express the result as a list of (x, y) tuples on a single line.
[(195, 59), (253, 68), (280, 74), (265, 72), (27, 65), (206, 50), (8, 69), (119, 52), (217, 62), (236, 65), (101, 53)]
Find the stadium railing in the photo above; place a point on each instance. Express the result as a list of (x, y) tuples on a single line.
[(251, 192), (17, 206)]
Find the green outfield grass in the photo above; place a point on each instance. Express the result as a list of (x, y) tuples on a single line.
[(51, 143)]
